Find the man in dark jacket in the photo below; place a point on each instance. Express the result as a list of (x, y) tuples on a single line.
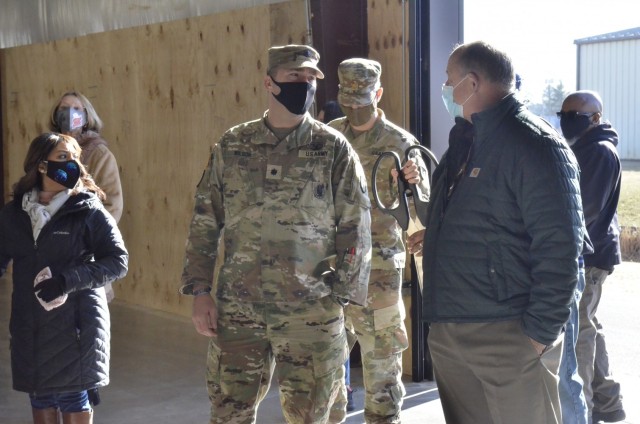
[(504, 233), (594, 144)]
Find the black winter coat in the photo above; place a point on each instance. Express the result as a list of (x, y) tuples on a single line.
[(67, 348), (505, 244)]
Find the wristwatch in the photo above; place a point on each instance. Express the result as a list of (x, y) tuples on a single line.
[(342, 301), (200, 291)]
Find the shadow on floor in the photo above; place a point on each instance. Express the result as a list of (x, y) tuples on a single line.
[(158, 375)]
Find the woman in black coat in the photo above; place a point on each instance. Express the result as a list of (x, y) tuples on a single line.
[(65, 247)]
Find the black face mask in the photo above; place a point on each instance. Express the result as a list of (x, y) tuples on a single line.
[(69, 119), (574, 125), (295, 96), (66, 173)]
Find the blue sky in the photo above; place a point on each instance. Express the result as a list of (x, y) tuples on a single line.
[(539, 34)]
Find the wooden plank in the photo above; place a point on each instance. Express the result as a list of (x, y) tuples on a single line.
[(386, 45), (166, 93)]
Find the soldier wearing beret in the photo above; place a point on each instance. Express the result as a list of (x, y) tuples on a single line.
[(379, 322), (290, 193)]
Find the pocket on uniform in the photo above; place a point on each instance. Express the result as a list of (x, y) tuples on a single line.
[(390, 333), (330, 359), (334, 352), (239, 186), (315, 198)]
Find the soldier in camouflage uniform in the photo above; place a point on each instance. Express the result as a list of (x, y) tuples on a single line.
[(290, 193), (379, 324)]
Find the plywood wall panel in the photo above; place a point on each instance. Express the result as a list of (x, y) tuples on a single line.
[(387, 46), (166, 93)]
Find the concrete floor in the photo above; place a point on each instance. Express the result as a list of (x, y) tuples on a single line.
[(158, 364)]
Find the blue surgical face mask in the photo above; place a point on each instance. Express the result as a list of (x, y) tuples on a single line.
[(454, 109)]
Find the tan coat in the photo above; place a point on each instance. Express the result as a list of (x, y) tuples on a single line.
[(102, 166)]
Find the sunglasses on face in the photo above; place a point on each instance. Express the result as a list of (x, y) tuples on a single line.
[(573, 114)]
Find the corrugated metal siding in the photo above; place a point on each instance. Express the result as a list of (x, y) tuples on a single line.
[(24, 22), (612, 68)]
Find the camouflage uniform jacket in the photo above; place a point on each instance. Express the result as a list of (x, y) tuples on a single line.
[(388, 250), (286, 206)]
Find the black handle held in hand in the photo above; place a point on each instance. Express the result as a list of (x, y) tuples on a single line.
[(401, 211), (420, 205)]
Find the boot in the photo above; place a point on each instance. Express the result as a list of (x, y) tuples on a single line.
[(84, 417), (45, 416)]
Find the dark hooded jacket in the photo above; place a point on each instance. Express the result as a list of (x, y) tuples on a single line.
[(600, 177), (505, 226), (65, 349)]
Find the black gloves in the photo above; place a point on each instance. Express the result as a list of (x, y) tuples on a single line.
[(50, 289)]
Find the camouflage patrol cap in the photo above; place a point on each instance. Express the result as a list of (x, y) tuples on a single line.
[(359, 81), (294, 56)]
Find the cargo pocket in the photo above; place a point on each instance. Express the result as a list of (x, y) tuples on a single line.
[(334, 353), (390, 333), (331, 359)]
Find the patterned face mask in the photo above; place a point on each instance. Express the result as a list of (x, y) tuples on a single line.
[(70, 119), (66, 173)]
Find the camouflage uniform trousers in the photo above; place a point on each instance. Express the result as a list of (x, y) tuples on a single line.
[(307, 341), (380, 330)]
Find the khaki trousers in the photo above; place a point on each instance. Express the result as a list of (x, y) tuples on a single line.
[(491, 373), (601, 391)]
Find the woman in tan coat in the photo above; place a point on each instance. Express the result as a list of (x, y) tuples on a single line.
[(74, 115)]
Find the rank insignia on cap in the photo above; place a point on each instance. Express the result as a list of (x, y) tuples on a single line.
[(305, 53)]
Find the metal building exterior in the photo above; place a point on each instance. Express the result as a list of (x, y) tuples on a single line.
[(610, 64)]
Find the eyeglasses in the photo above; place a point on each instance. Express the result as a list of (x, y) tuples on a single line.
[(573, 114)]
